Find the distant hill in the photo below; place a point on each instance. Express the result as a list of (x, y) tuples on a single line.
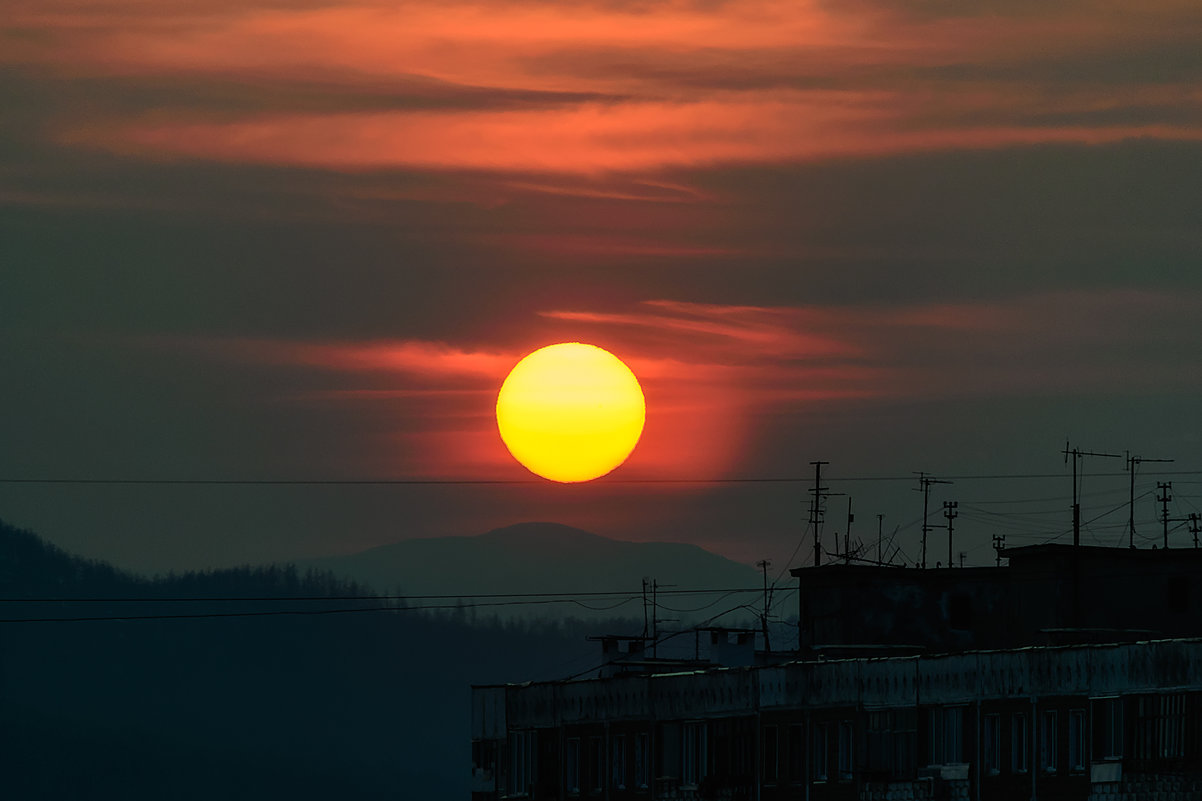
[(299, 706), (217, 698), (535, 557)]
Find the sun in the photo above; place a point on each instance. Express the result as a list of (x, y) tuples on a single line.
[(571, 412)]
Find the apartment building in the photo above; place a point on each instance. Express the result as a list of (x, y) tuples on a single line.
[(1022, 682)]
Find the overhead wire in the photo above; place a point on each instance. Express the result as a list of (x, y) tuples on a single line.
[(443, 597), (409, 481), (281, 612), (631, 597)]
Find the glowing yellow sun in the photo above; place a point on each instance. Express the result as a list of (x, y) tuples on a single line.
[(571, 412)]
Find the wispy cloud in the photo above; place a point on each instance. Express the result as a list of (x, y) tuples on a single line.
[(596, 87)]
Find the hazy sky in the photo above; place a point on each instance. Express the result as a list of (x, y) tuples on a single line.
[(301, 239)]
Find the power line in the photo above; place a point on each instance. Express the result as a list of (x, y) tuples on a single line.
[(326, 598), (298, 612), (356, 482), (630, 597), (506, 482)]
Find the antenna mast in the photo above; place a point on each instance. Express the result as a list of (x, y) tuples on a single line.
[(763, 565), (1077, 455), (925, 481), (816, 510), (880, 522), (1133, 463), (1163, 500), (949, 511)]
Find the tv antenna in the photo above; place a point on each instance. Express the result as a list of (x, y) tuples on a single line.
[(1133, 463), (1077, 455), (924, 486)]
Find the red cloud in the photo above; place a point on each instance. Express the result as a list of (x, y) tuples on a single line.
[(709, 370)]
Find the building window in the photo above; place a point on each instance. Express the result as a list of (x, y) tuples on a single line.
[(1172, 720), (1076, 740), (521, 762), (642, 761), (484, 756), (771, 752), (692, 769), (596, 764), (1159, 727), (821, 751), (1018, 743), (1047, 740), (846, 749), (891, 743), (991, 744), (743, 745), (1108, 728), (797, 753), (618, 762), (946, 735), (571, 765)]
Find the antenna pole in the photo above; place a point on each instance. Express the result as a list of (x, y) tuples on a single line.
[(847, 533), (1193, 526), (1133, 463), (880, 522), (925, 481), (1076, 455), (949, 511), (816, 511), (998, 544), (644, 606), (763, 565), (1164, 499)]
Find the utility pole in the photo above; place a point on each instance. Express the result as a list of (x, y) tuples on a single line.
[(1193, 526), (816, 511), (763, 565), (880, 522), (1163, 499), (644, 606), (924, 482), (1133, 463), (1077, 455), (999, 542), (949, 511)]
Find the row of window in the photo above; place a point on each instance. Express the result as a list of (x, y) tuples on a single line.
[(592, 777), (693, 751)]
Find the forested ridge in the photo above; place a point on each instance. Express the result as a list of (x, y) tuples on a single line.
[(364, 705)]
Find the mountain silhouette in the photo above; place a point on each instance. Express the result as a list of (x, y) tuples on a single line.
[(241, 699), (535, 558)]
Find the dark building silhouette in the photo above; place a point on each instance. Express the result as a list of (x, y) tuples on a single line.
[(1071, 673), (1047, 594)]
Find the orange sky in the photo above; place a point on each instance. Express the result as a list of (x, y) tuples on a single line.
[(709, 370), (595, 88), (310, 238)]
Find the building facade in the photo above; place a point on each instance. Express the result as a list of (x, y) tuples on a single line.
[(1116, 721), (1051, 715)]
